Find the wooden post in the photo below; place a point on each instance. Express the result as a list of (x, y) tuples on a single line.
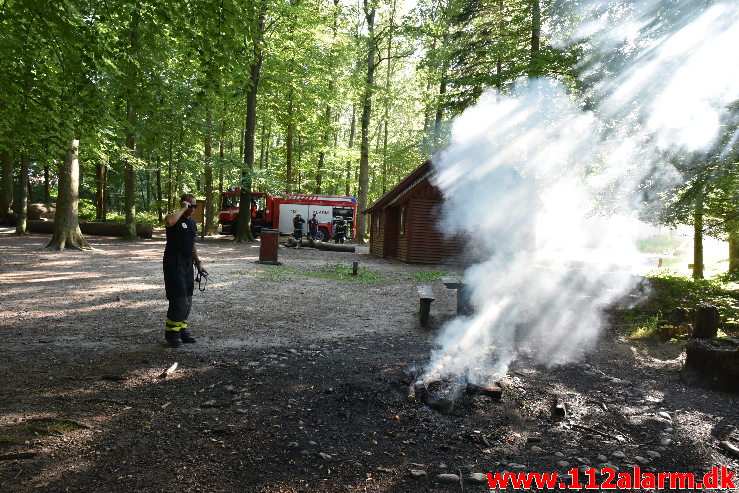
[(355, 267)]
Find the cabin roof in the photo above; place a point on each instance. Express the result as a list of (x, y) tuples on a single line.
[(398, 191)]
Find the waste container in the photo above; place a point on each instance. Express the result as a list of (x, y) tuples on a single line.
[(268, 245)]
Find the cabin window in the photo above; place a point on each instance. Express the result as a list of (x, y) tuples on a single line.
[(402, 220)]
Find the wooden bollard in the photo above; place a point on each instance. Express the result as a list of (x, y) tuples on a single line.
[(355, 268)]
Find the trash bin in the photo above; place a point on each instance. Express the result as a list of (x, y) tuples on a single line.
[(268, 245)]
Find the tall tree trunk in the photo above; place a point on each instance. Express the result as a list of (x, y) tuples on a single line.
[(67, 232), (142, 179), (324, 143), (698, 238), (129, 184), (129, 170), (267, 146), (47, 185), (244, 227), (439, 117), (22, 209), (149, 192), (733, 227), (241, 143), (160, 212), (365, 124), (535, 61), (386, 116), (289, 144), (100, 191), (262, 146), (170, 191), (6, 186), (106, 194), (352, 131), (300, 169), (221, 155), (209, 223)]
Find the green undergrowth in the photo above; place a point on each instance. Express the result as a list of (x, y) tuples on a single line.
[(280, 273), (87, 212), (429, 276), (669, 290)]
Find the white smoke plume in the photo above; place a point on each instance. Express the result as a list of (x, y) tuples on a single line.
[(549, 192)]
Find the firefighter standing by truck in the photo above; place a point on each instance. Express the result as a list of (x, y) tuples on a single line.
[(312, 227), (180, 255), (298, 222), (340, 230)]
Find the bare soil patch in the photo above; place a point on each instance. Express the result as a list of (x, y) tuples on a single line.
[(299, 382)]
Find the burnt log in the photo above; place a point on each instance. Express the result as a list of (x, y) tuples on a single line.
[(443, 405), (489, 390), (143, 230), (707, 320), (559, 407), (712, 363)]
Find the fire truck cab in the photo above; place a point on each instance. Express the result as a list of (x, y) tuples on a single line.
[(277, 212)]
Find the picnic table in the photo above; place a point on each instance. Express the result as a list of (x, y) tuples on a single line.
[(463, 293)]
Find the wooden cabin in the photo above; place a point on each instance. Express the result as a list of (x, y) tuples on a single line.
[(404, 221)]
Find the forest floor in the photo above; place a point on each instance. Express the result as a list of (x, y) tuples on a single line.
[(299, 381)]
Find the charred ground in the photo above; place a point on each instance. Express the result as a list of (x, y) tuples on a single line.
[(299, 383)]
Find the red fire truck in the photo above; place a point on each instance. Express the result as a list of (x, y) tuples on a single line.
[(278, 211)]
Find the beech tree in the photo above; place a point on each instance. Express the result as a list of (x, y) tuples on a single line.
[(314, 96)]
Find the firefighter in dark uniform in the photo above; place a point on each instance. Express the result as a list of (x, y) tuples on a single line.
[(180, 255), (298, 222), (340, 230), (312, 227)]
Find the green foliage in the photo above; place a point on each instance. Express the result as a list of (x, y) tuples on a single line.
[(86, 210), (342, 272), (277, 273), (429, 276), (673, 290), (642, 327), (669, 290), (154, 83)]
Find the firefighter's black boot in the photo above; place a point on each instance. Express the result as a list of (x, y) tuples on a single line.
[(173, 338), (186, 337)]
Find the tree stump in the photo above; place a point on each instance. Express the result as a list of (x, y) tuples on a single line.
[(713, 363), (707, 319)]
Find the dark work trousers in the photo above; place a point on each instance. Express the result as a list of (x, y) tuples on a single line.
[(177, 313), (179, 284)]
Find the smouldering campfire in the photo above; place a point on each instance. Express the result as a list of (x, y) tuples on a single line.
[(441, 394)]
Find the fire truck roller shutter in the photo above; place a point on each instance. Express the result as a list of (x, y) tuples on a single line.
[(347, 212), (287, 214)]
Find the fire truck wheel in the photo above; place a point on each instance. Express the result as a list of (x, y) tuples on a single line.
[(234, 228), (322, 234)]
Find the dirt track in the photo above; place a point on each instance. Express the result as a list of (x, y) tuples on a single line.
[(298, 383)]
